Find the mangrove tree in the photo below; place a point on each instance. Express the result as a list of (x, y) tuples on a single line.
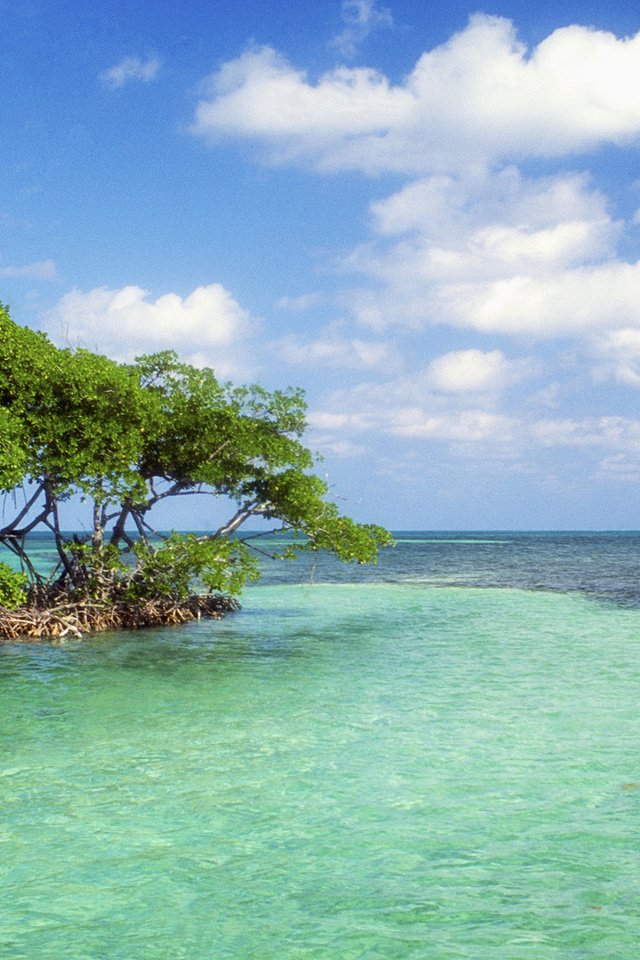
[(124, 438)]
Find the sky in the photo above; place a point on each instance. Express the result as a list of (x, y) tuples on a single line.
[(427, 215)]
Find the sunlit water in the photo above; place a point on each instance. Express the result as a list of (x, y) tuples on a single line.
[(439, 761)]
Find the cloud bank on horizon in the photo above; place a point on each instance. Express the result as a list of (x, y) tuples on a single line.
[(484, 327)]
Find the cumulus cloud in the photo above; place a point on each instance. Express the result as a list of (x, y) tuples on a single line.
[(131, 68), (499, 222), (470, 421), (260, 96), (207, 328), (336, 447), (482, 97), (469, 241), (498, 254), (567, 303), (475, 371), (360, 18), (619, 467)]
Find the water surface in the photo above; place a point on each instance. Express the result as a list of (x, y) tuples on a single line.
[(436, 758)]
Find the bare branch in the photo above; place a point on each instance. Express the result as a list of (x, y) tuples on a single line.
[(240, 517), (23, 513)]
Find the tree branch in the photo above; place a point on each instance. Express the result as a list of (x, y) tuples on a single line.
[(236, 521), (6, 531)]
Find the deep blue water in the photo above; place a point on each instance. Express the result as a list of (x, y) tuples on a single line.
[(604, 565)]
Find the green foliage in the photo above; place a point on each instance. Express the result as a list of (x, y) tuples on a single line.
[(169, 570), (128, 436), (204, 432), (13, 587), (95, 573), (74, 418), (13, 455)]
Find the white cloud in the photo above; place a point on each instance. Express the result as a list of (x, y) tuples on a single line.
[(453, 206), (334, 352), (360, 18), (449, 400), (344, 449), (617, 433), (131, 68), (327, 420), (618, 354), (475, 371), (466, 426), (260, 96), (479, 98), (472, 428), (420, 422), (496, 253), (548, 397), (477, 432), (301, 303), (567, 303), (40, 270), (470, 241), (620, 468), (467, 244), (208, 327)]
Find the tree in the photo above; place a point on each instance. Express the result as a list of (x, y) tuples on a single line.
[(126, 437)]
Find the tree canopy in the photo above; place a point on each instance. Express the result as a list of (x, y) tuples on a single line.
[(126, 437)]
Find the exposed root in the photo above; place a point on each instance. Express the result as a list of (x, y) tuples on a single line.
[(75, 618)]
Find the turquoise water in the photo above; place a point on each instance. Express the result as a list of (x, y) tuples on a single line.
[(437, 761)]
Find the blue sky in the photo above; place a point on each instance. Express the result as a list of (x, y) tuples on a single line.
[(427, 215)]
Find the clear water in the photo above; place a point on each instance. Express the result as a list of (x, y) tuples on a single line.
[(435, 758)]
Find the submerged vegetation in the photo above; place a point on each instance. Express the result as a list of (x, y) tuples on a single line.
[(125, 438)]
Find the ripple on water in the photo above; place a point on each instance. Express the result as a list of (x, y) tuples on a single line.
[(346, 772)]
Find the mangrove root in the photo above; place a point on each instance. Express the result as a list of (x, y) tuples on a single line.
[(75, 618)]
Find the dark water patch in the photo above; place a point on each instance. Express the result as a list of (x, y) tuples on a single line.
[(602, 565)]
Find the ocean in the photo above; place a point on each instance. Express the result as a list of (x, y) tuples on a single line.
[(434, 758)]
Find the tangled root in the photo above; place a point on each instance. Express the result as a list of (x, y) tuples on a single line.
[(76, 618)]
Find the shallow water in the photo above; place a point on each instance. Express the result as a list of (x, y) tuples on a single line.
[(394, 768)]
